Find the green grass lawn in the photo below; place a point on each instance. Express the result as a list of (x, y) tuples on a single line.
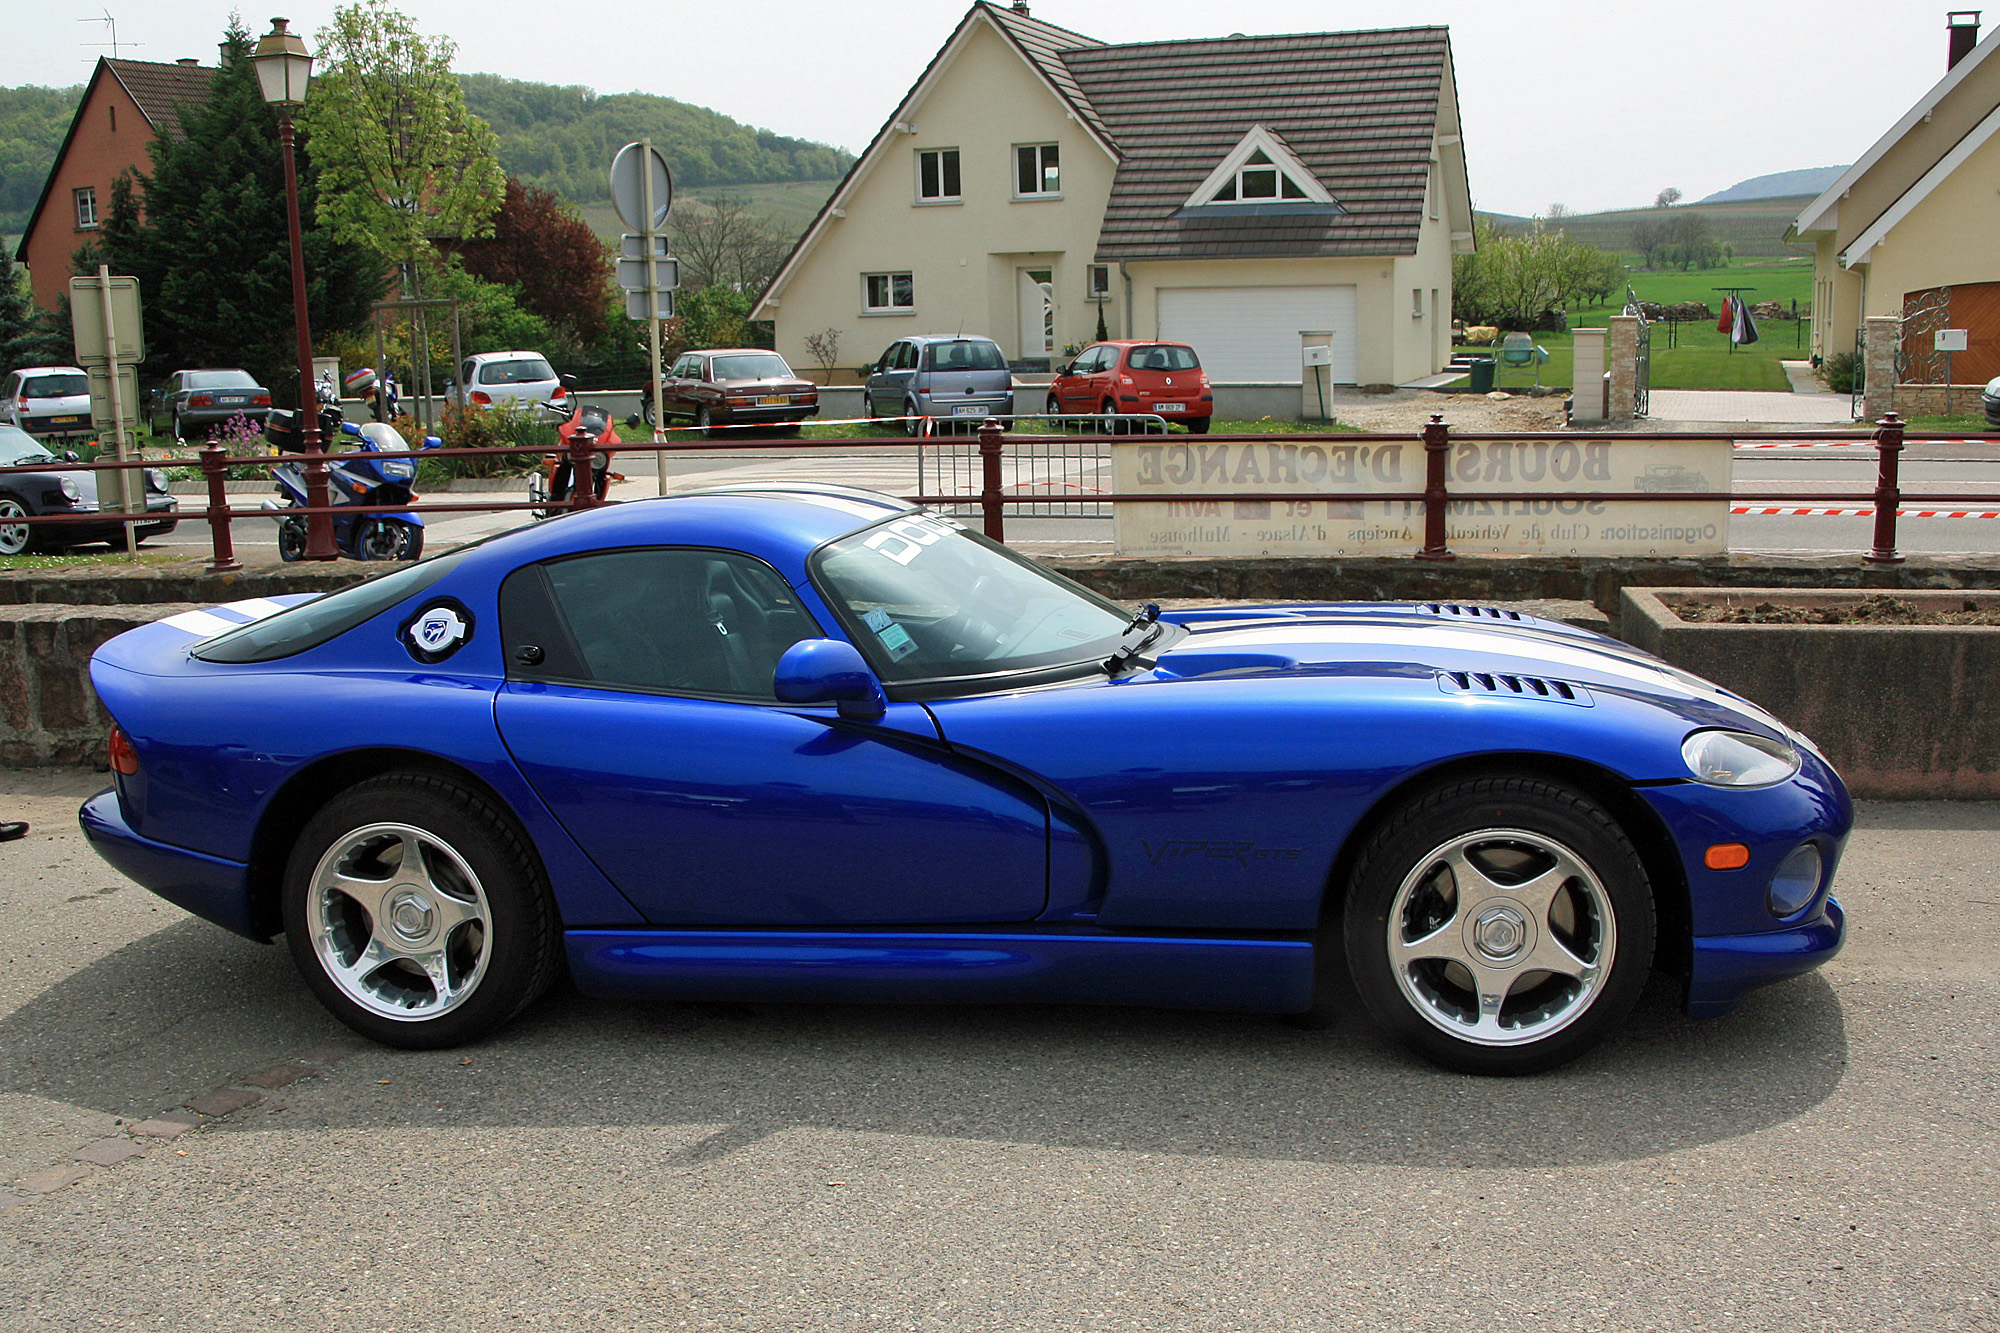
[(1695, 355)]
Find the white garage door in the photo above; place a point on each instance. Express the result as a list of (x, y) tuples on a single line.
[(1252, 333)]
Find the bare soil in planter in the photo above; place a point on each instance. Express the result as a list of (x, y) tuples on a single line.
[(1881, 609)]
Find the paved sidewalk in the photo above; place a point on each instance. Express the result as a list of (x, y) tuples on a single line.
[(1771, 409)]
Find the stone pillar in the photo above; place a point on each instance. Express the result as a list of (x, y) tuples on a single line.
[(1587, 405), (1878, 394), (1624, 366)]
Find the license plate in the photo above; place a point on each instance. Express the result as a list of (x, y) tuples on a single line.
[(774, 400), (67, 421), (233, 400), (968, 410), (1170, 407)]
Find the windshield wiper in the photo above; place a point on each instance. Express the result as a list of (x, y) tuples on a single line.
[(1148, 619)]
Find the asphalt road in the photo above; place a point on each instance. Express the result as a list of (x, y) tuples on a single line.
[(1825, 1158)]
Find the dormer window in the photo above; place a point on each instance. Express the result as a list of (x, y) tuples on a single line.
[(1261, 172), (1258, 178)]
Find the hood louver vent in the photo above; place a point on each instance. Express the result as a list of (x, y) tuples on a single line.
[(1527, 687), (1468, 612)]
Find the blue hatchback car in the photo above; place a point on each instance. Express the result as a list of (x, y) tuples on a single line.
[(801, 743)]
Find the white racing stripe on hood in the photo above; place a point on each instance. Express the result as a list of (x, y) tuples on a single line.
[(1538, 654)]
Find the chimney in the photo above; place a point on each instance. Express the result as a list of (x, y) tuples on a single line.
[(189, 61), (1021, 8), (1961, 28)]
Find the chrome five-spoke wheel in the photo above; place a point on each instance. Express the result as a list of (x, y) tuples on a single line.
[(399, 921), (418, 913), (1501, 925)]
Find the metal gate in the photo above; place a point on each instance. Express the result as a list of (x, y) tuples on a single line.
[(1642, 357)]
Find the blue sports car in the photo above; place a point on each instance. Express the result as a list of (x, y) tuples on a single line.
[(805, 743)]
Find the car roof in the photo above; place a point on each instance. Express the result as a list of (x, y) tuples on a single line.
[(495, 356), (728, 351), (781, 521), (948, 338), (48, 370)]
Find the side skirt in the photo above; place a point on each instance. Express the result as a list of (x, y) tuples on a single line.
[(1266, 975)]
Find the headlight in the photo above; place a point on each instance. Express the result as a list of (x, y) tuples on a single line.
[(69, 489), (1738, 759), (1796, 881), (402, 469), (156, 480)]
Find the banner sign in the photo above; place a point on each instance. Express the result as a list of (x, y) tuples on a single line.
[(1353, 524)]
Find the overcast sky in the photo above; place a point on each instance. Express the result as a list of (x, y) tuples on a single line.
[(1590, 104)]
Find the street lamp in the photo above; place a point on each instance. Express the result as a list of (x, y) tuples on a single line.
[(284, 68)]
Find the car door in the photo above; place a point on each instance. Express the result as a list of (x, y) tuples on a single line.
[(674, 388), (646, 722), (888, 386), (1075, 390)]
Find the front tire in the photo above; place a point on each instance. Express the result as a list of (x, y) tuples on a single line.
[(418, 914), (388, 539), (1500, 926), (15, 538)]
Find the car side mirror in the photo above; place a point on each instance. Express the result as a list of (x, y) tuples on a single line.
[(829, 671), (72, 456), (433, 442)]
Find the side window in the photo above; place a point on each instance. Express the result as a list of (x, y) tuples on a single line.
[(673, 620), (906, 357)]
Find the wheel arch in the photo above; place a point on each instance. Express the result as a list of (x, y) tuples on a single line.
[(1638, 820), (302, 795)]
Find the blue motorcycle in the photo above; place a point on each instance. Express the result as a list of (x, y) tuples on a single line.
[(362, 478)]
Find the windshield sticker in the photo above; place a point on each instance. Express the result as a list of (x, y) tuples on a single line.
[(898, 641), (903, 540), (437, 631), (877, 619)]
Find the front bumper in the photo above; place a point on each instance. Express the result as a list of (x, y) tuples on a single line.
[(1728, 967)]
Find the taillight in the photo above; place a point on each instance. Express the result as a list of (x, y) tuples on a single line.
[(481, 398), (260, 400), (201, 400), (118, 749)]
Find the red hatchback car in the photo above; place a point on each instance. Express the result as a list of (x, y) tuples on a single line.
[(1126, 377)]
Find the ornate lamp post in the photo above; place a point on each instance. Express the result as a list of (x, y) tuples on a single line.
[(284, 67)]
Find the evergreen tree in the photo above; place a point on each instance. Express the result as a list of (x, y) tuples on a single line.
[(17, 314), (212, 251)]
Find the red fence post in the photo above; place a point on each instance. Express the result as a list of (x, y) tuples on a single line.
[(1889, 446), (582, 476), (989, 469), (1437, 443), (215, 472)]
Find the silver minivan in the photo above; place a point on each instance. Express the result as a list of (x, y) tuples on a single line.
[(943, 375)]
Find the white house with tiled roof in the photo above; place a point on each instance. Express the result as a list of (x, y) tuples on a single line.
[(1230, 193)]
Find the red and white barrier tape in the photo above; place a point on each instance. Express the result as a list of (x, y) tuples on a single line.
[(1816, 511)]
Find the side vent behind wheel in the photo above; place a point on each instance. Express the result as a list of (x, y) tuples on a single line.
[(1527, 687)]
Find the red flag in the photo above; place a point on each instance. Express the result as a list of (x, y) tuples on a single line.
[(1728, 321)]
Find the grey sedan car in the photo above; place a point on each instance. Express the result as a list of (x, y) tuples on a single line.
[(45, 486), (195, 402)]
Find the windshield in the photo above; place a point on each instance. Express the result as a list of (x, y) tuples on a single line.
[(17, 446), (54, 386), (966, 356), (769, 366), (924, 599)]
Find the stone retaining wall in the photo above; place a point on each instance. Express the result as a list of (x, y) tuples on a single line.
[(1903, 711)]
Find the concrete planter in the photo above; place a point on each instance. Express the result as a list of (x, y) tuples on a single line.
[(1903, 711)]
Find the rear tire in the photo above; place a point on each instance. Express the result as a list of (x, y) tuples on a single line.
[(704, 421), (1197, 425), (1500, 926), (418, 913), (291, 539)]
